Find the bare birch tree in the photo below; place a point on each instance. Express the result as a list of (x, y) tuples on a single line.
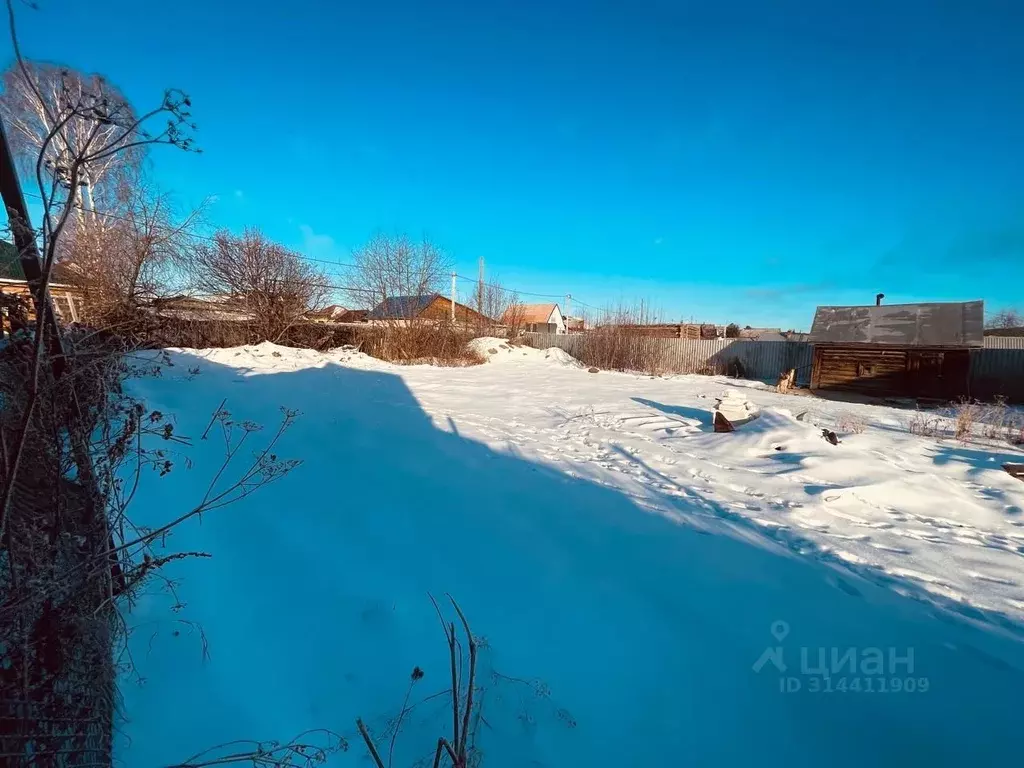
[(57, 114)]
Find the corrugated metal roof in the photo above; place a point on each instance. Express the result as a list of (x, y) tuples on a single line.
[(532, 313), (953, 324), (401, 307)]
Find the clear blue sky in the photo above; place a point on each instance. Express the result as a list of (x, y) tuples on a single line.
[(731, 161)]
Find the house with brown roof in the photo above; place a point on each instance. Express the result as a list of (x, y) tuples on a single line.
[(537, 318), (432, 307)]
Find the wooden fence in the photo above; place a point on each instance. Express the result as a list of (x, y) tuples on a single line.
[(996, 370)]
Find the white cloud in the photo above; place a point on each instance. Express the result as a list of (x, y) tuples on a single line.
[(317, 245)]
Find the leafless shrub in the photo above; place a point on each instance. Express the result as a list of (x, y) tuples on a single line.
[(514, 317), (926, 424), (851, 422), (965, 416), (270, 283), (73, 449), (435, 343), (132, 253), (614, 344), (401, 279), (492, 299), (391, 268)]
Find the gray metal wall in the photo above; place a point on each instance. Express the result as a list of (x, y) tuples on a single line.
[(761, 359), (998, 369)]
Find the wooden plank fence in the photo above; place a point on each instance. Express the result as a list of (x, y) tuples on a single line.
[(998, 369)]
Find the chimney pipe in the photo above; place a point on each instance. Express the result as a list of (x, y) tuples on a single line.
[(878, 299)]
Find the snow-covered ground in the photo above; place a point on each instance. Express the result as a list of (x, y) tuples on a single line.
[(640, 580)]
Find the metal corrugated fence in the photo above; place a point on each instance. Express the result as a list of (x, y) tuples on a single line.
[(759, 359), (998, 369), (1004, 342)]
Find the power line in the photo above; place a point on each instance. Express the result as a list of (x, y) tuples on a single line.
[(195, 236), (513, 290), (304, 257)]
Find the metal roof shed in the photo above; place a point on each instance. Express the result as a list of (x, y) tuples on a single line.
[(910, 350)]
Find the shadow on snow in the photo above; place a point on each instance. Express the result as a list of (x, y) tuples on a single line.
[(644, 623)]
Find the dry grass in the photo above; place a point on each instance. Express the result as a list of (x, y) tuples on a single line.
[(971, 421), (615, 345), (436, 344), (965, 415), (851, 422), (926, 424)]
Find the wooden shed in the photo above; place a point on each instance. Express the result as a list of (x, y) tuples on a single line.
[(903, 350)]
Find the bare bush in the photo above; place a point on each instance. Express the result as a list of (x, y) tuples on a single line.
[(965, 416), (514, 317), (124, 259), (63, 446), (492, 302), (391, 268), (272, 284), (851, 422), (402, 280), (926, 424), (615, 344), (436, 344)]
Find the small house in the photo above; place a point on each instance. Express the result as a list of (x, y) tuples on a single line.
[(66, 299), (537, 318), (431, 307), (903, 350)]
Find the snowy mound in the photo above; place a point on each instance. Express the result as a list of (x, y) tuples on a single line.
[(268, 357), (494, 350)]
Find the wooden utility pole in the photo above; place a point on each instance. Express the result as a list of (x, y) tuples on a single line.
[(453, 296)]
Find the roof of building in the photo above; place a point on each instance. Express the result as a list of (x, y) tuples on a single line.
[(401, 307), (762, 334), (331, 312), (532, 313), (952, 324), (1013, 331), (352, 316)]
